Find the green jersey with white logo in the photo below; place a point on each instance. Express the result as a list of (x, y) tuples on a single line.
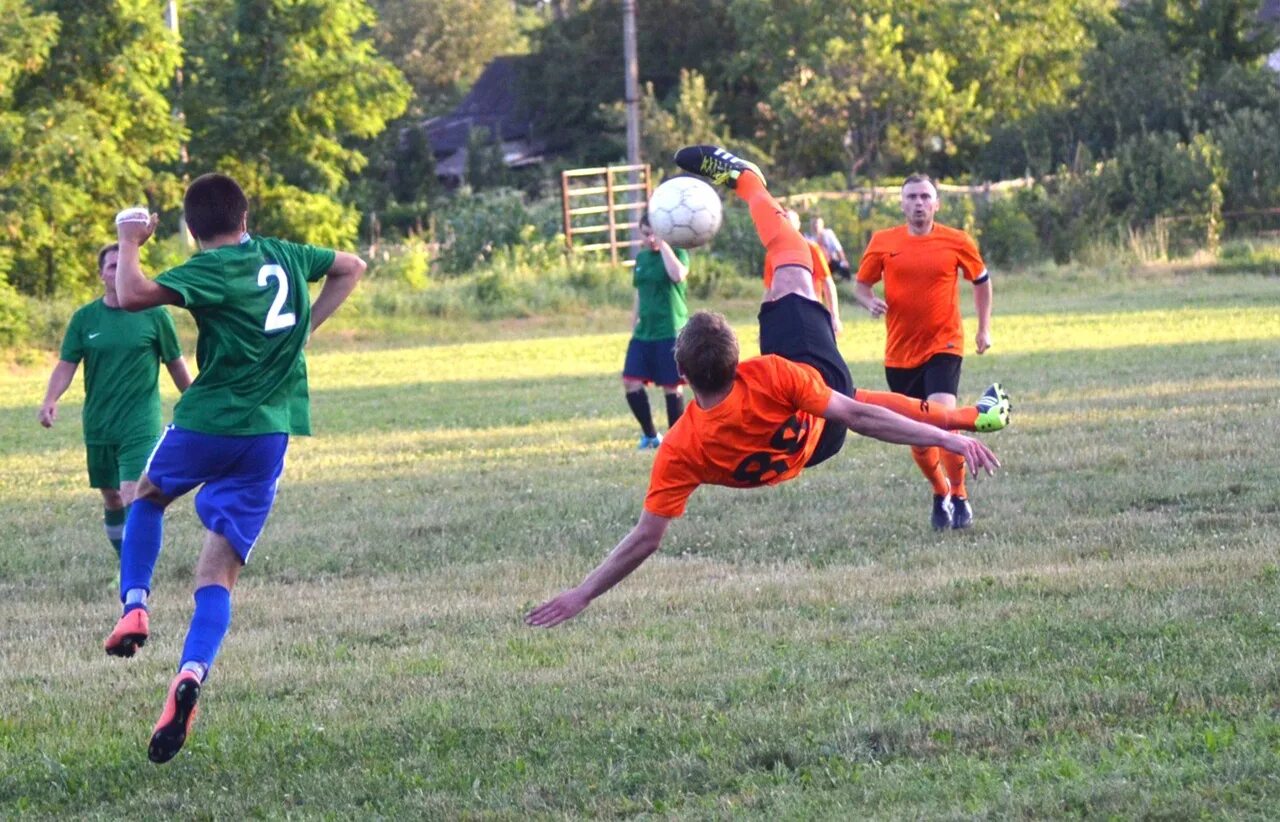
[(122, 352), (253, 314)]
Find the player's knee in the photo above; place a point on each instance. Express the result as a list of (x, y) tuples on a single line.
[(113, 499), (148, 491), (631, 386)]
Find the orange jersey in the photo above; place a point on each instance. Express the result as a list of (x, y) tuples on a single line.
[(920, 277), (761, 434), (821, 268)]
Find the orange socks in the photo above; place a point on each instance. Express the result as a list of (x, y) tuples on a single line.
[(783, 244), (928, 460), (954, 466), (952, 419)]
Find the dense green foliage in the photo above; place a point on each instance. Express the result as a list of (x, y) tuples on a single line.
[(1139, 120)]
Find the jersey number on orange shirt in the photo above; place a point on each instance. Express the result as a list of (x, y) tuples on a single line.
[(762, 466)]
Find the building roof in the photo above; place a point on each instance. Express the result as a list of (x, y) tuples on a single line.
[(493, 103)]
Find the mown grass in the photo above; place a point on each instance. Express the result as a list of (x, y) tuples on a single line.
[(1105, 642)]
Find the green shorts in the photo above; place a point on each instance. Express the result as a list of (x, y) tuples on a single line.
[(109, 465)]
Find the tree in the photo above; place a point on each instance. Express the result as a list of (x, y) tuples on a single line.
[(863, 99), (85, 119), (690, 119), (443, 45), (576, 74), (278, 92)]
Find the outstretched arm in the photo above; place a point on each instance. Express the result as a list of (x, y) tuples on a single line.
[(59, 381), (339, 282), (890, 426), (634, 549)]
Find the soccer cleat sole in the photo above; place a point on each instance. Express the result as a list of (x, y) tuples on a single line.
[(171, 734), (127, 645), (130, 634), (715, 164)]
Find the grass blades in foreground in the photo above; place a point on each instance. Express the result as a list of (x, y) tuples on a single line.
[(1106, 641)]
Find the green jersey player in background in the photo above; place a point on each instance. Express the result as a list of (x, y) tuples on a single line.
[(121, 351), (231, 428)]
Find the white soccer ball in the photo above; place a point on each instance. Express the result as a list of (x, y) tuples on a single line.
[(137, 214), (685, 212)]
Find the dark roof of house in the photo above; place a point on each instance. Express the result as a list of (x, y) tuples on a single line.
[(493, 103)]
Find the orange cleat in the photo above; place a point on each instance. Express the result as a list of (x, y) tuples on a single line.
[(130, 634), (179, 711)]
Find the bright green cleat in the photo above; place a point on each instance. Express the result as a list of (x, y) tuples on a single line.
[(716, 164), (993, 409)]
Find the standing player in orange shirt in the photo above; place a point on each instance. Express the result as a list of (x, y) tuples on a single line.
[(764, 420), (921, 263)]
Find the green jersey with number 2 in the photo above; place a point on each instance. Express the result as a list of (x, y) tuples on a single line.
[(253, 315)]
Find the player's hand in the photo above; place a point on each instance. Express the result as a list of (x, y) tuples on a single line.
[(567, 605), (877, 307), (983, 341), (137, 233), (48, 414), (975, 452)]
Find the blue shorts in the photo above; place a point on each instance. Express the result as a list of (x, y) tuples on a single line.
[(652, 361), (239, 475)]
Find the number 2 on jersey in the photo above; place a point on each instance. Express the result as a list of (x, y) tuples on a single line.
[(276, 318)]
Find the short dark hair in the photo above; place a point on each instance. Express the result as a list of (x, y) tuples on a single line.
[(214, 205), (644, 220), (919, 177), (103, 252), (707, 352)]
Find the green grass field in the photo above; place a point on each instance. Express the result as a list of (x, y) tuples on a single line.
[(1104, 643)]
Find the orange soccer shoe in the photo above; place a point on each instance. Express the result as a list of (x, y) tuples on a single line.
[(179, 711), (130, 634)]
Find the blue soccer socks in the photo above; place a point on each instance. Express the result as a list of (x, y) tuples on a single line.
[(143, 531), (209, 625)]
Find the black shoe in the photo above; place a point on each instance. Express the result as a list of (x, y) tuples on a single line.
[(716, 164), (179, 710), (942, 512), (962, 515)]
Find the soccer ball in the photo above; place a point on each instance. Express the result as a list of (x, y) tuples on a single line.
[(685, 212)]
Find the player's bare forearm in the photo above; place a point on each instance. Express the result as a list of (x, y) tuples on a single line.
[(339, 282), (134, 291), (982, 306), (863, 295), (637, 546), (179, 373), (59, 381), (676, 270)]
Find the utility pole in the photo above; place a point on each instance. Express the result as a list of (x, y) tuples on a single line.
[(632, 98)]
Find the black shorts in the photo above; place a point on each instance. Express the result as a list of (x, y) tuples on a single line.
[(799, 329), (940, 374)]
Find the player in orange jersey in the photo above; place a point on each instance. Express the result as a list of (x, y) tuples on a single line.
[(764, 420), (921, 263)]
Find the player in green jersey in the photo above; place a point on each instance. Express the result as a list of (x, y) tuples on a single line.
[(230, 430), (121, 351), (660, 311)]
